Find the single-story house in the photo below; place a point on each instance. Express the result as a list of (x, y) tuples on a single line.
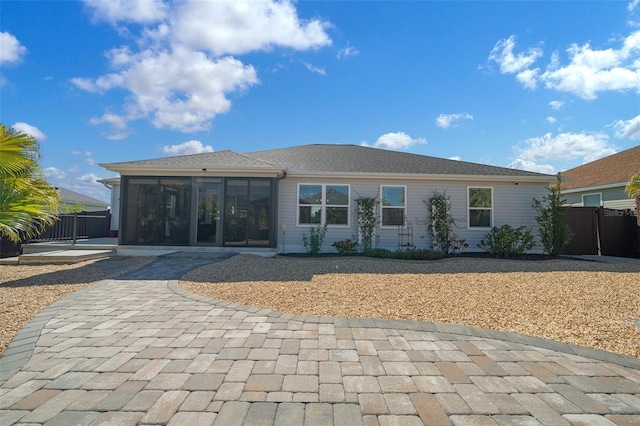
[(271, 198), (72, 199), (601, 183)]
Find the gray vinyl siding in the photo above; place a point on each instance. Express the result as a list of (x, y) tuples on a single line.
[(612, 198), (115, 207), (512, 205)]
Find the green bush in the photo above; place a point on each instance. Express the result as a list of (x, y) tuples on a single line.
[(508, 241), (413, 254), (313, 243), (345, 247), (552, 226)]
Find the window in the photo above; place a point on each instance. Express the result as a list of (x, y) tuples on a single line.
[(592, 200), (393, 205), (480, 207), (320, 204)]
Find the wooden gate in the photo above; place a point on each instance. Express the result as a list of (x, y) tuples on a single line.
[(602, 231)]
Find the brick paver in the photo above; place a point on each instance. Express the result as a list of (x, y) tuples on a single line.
[(144, 351)]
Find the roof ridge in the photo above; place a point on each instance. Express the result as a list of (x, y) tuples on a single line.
[(247, 155)]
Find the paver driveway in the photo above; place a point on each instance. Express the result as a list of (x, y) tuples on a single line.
[(141, 350)]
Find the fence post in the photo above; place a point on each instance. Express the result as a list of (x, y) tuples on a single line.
[(75, 228)]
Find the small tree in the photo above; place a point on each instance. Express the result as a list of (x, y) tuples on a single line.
[(552, 227), (313, 243), (440, 223), (368, 220)]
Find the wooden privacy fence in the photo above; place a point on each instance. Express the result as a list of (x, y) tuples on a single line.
[(603, 231), (77, 225)]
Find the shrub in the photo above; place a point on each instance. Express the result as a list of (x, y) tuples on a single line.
[(413, 254), (508, 241), (552, 226), (378, 252), (313, 243), (345, 247)]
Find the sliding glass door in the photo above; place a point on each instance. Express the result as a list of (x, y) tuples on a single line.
[(208, 215)]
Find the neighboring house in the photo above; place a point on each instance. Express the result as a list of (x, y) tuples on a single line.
[(72, 200), (602, 182), (271, 198), (114, 185)]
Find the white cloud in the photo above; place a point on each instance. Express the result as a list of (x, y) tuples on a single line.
[(556, 104), (315, 69), (396, 141), (78, 180), (347, 52), (632, 5), (54, 173), (565, 146), (588, 72), (11, 51), (189, 147), (502, 54), (180, 90), (445, 121), (183, 74), (235, 27), (455, 157), (118, 125), (140, 11), (30, 130), (89, 178), (528, 78), (628, 129), (89, 160), (551, 119), (530, 166)]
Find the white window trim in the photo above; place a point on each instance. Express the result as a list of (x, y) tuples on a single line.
[(480, 208), (404, 220), (593, 193), (323, 205)]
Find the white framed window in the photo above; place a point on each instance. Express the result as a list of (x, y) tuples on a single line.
[(393, 203), (320, 204), (480, 203), (592, 200)]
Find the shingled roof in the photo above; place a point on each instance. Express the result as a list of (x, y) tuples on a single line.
[(614, 169), (214, 160), (326, 159), (361, 159), (68, 196)]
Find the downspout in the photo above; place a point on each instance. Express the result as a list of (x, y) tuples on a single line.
[(282, 226)]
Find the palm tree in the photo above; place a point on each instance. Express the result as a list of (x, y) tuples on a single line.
[(28, 203), (633, 191)]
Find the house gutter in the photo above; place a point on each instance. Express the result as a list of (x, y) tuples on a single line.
[(194, 171), (593, 188)]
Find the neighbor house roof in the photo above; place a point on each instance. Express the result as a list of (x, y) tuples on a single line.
[(614, 169), (68, 196), (320, 159)]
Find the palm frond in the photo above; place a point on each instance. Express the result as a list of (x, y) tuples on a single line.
[(633, 186)]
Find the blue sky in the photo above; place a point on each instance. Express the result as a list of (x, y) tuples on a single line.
[(541, 86)]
